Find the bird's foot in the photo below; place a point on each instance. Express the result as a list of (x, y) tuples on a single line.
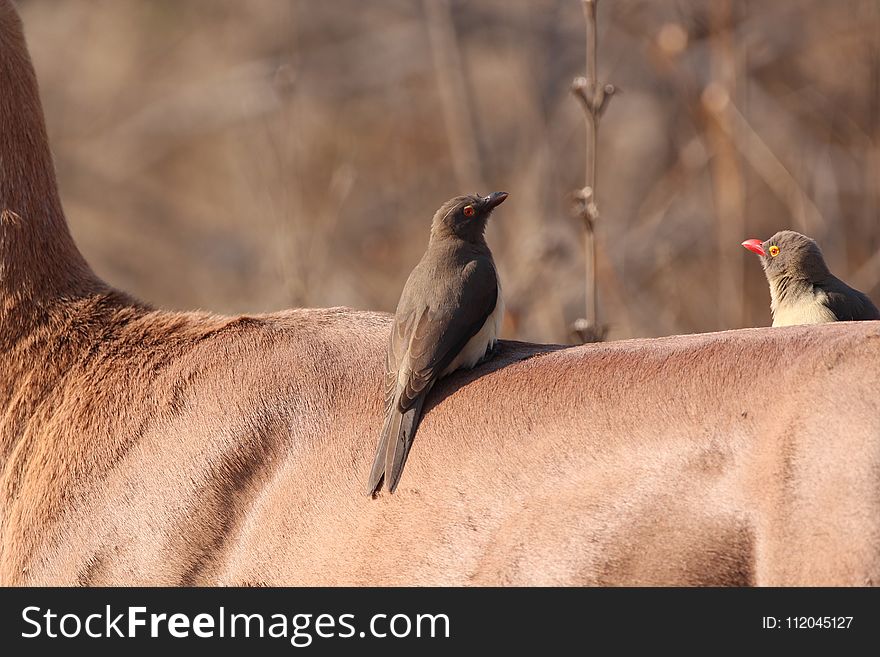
[(491, 352)]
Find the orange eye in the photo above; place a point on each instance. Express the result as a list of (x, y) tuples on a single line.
[(774, 250), (468, 211)]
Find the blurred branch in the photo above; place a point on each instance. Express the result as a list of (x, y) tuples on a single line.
[(867, 277), (238, 95), (594, 98), (728, 183), (773, 172), (454, 96)]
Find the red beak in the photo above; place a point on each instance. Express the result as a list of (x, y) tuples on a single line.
[(755, 246)]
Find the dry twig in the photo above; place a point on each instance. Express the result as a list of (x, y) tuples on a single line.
[(594, 98)]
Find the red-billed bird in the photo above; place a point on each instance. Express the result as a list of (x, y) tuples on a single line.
[(802, 289)]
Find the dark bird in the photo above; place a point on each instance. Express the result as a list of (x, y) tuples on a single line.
[(802, 289), (448, 318)]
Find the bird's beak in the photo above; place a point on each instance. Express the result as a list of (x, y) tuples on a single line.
[(494, 199), (755, 246)]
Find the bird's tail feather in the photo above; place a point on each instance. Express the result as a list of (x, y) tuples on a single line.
[(391, 426), (399, 445)]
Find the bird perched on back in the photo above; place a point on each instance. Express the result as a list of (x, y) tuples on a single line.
[(448, 318), (802, 289)]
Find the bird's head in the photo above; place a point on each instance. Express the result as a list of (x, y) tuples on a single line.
[(790, 255), (466, 216)]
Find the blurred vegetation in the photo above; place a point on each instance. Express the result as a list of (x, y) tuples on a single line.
[(251, 156)]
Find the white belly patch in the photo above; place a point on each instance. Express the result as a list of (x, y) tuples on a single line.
[(810, 311)]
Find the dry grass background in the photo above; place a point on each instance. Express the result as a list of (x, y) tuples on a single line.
[(251, 156)]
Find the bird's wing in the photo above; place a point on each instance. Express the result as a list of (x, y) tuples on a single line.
[(398, 342), (847, 303), (439, 334)]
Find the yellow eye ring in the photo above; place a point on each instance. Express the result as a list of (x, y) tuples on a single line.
[(469, 211), (774, 250)]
